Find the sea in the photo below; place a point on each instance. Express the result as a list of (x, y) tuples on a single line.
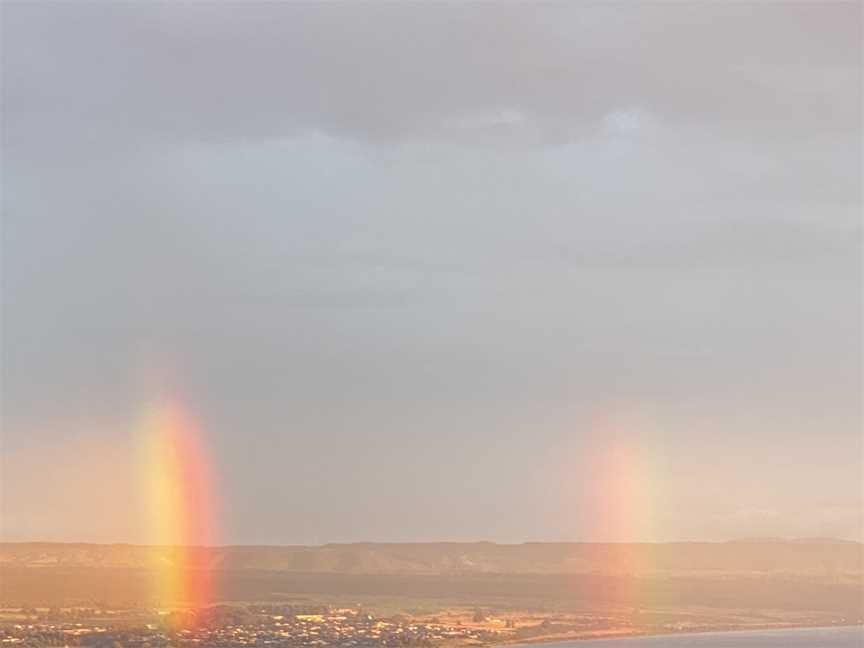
[(837, 637)]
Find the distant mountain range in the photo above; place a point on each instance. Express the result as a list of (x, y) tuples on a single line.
[(816, 558)]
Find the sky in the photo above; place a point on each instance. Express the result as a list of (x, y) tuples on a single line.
[(507, 272)]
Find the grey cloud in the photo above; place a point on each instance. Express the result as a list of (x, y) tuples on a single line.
[(116, 72), (353, 227)]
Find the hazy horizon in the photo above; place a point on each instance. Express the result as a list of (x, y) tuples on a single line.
[(764, 540), (446, 272)]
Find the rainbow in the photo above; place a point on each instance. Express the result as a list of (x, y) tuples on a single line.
[(180, 495), (619, 476), (613, 478)]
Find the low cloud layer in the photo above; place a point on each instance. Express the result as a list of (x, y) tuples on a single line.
[(403, 255)]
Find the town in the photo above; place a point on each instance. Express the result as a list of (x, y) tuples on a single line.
[(319, 625), (230, 626)]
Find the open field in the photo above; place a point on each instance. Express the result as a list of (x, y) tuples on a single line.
[(61, 586)]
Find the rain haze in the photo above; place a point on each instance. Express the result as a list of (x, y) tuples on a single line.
[(436, 272)]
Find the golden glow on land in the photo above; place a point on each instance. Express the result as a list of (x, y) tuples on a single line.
[(180, 493)]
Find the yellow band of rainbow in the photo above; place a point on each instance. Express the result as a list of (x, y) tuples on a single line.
[(179, 488)]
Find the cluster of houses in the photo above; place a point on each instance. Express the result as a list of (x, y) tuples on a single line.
[(230, 627)]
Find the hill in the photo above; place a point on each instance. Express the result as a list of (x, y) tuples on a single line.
[(823, 577), (816, 559)]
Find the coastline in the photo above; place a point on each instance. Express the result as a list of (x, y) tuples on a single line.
[(637, 634)]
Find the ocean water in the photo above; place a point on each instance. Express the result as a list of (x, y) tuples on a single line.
[(849, 637)]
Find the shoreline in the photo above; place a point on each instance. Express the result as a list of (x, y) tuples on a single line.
[(540, 641)]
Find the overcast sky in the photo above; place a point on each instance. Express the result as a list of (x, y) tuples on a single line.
[(419, 270)]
